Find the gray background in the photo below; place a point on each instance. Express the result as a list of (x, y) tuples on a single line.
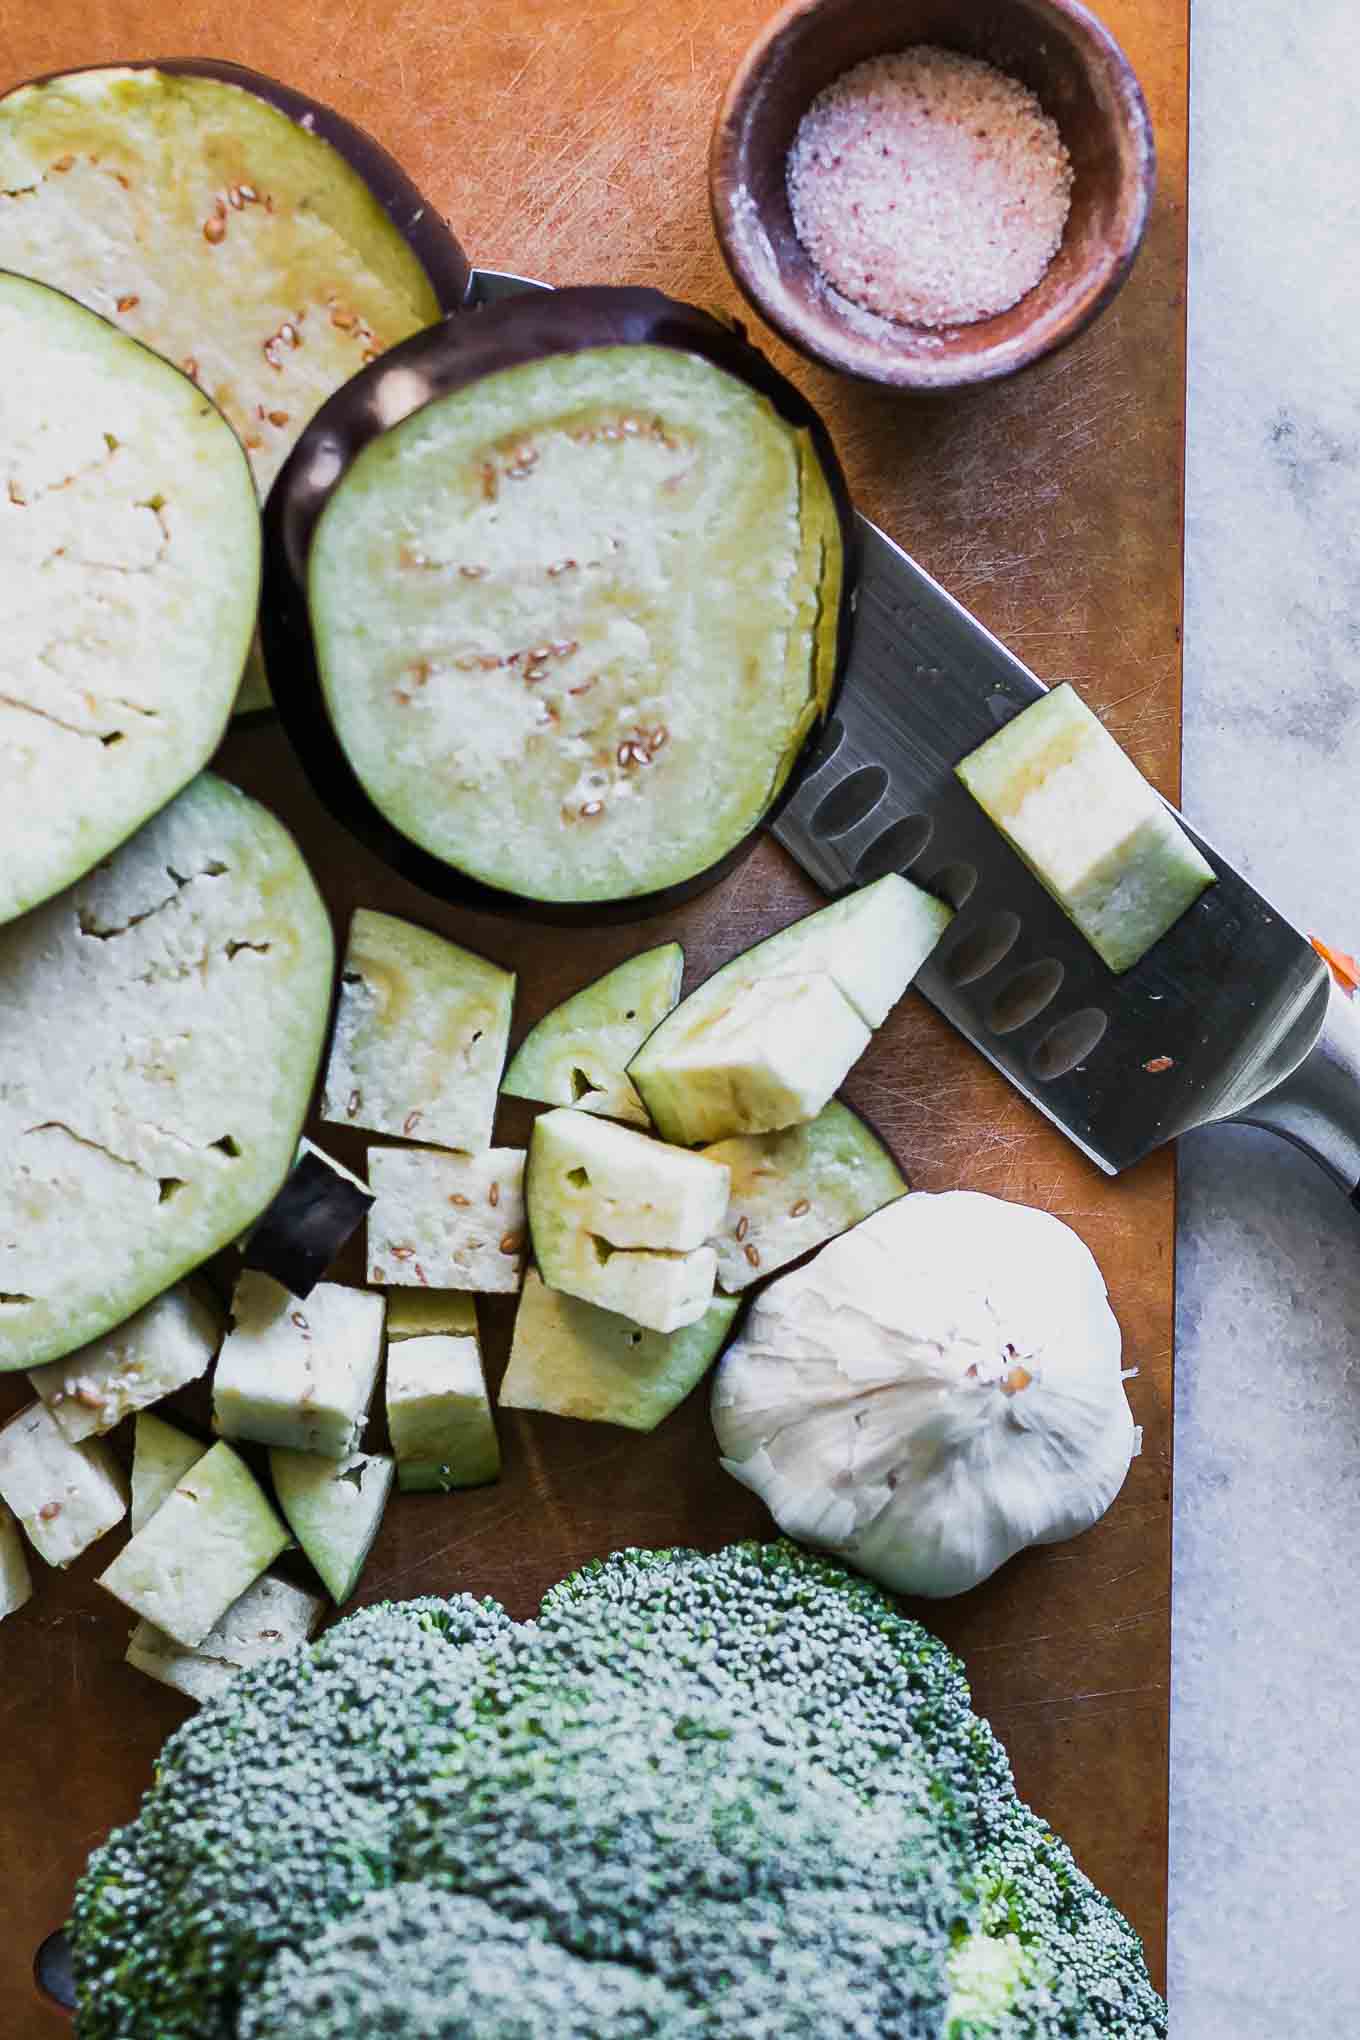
[(1265, 1777)]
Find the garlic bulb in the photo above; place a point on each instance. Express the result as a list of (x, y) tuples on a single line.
[(936, 1390)]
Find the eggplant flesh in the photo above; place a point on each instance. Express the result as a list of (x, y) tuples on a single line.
[(566, 621), (420, 1035), (866, 948), (795, 1189), (334, 1509), (160, 1028), (577, 1053), (255, 238), (1093, 831), (561, 589), (572, 1359), (129, 578)]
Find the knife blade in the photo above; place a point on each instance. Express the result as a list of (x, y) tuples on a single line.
[(1232, 1015)]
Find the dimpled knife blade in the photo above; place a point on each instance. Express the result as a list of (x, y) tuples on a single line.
[(1218, 1014)]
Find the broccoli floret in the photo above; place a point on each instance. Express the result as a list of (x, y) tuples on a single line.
[(730, 1797), (417, 1964)]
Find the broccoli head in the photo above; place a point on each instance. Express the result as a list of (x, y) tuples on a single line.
[(727, 1797)]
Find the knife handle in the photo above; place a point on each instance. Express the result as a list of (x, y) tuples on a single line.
[(1317, 1106)]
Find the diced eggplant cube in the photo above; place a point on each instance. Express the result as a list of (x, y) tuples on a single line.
[(1089, 826), (872, 943), (438, 1414), (620, 1220), (422, 1313), (661, 1291), (271, 1618), (160, 1454), (16, 1582), (592, 1176), (298, 1375), (447, 1221), (334, 1509), (729, 1060), (319, 1207), (420, 1036), (162, 1347), (66, 1496), (210, 1538), (573, 1360), (772, 1059)]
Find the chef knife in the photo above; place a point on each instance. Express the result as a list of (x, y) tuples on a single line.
[(1232, 1015)]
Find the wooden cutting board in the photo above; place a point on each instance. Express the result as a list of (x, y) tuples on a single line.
[(569, 142)]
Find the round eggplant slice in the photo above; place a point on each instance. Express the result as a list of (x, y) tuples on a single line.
[(129, 581), (160, 1028), (252, 235), (560, 593)]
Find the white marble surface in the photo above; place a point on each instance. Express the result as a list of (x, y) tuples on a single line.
[(1265, 1788)]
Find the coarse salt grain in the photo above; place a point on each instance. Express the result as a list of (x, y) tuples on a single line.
[(929, 187)]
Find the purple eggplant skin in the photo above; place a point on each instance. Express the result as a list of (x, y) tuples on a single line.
[(432, 364), (431, 240), (300, 1233)]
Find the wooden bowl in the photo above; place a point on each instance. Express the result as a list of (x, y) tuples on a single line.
[(1084, 82)]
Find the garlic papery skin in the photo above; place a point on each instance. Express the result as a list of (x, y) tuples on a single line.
[(933, 1392)]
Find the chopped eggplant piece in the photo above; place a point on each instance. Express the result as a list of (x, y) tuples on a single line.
[(661, 1290), (771, 1058), (420, 1036), (130, 544), (439, 1415), (270, 1619), (213, 1535), (424, 1313), (577, 1054), (574, 1360), (793, 1190), (167, 1344), (16, 1582), (160, 1027), (321, 1205), (561, 592), (160, 1455), (588, 1176), (250, 235), (1088, 825), (334, 1510), (620, 1220), (870, 945), (65, 1496), (447, 1221), (298, 1375)]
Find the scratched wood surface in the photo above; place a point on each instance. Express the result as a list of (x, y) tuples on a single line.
[(567, 138)]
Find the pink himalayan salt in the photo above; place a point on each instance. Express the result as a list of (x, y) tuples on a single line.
[(929, 187)]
